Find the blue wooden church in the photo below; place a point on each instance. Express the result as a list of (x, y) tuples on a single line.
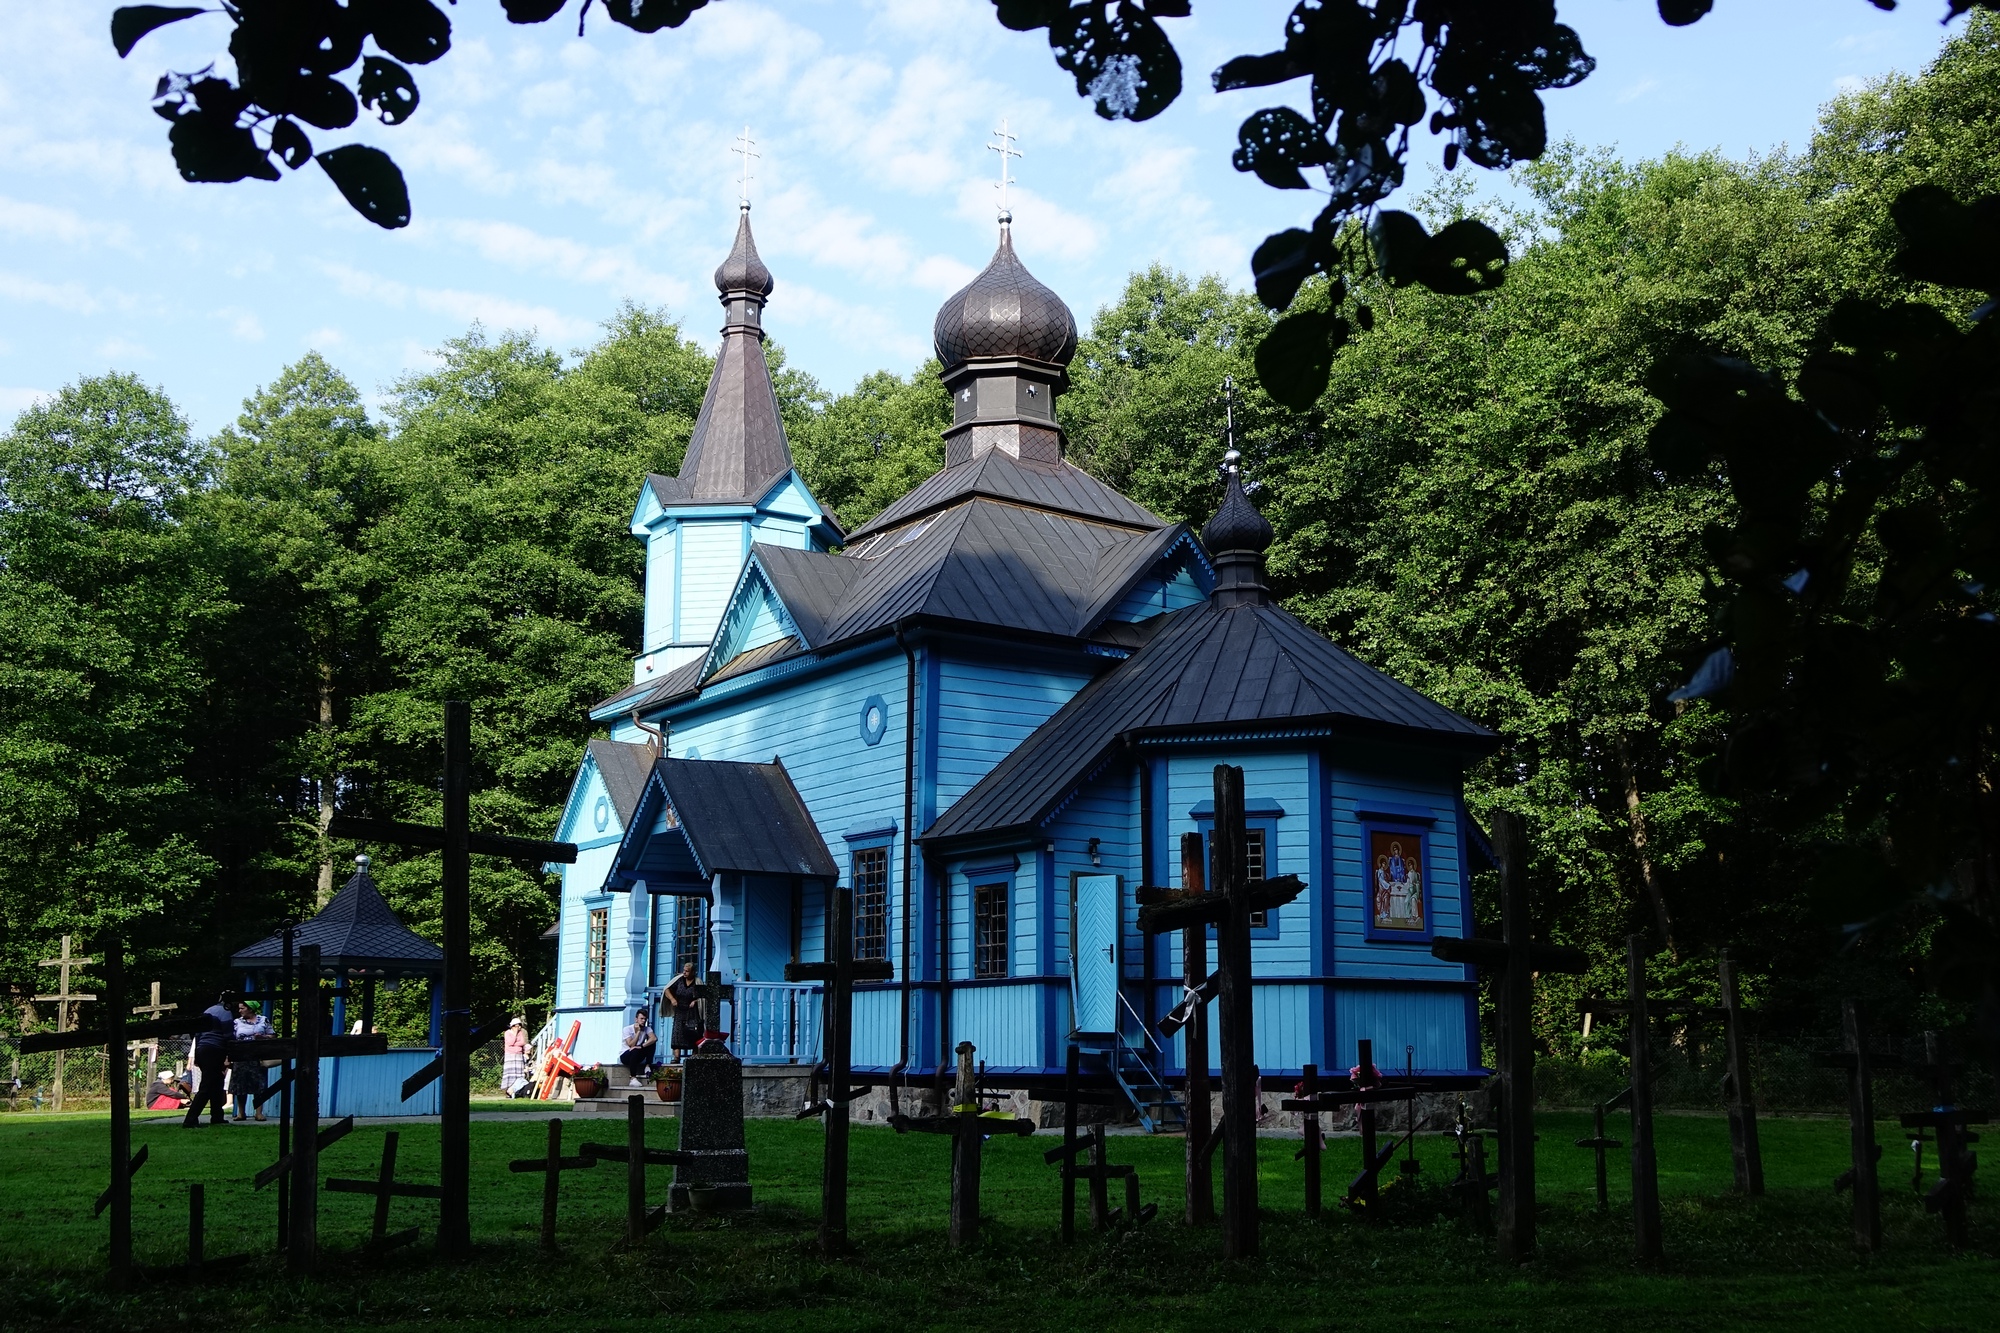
[(991, 712)]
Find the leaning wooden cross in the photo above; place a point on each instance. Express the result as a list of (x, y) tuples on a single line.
[(969, 1128), (838, 976), (1515, 959), (551, 1166), (1864, 1153), (66, 1001), (385, 1187), (454, 1063), (1366, 1090), (1228, 909), (113, 1036), (1098, 1173)]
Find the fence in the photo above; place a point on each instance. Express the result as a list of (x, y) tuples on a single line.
[(777, 1022)]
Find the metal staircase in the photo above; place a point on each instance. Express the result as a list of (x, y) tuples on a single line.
[(1158, 1107)]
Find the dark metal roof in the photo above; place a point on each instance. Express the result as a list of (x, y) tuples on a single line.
[(354, 932), (1241, 666), (1001, 476), (727, 818), (683, 679), (744, 270), (1005, 312), (623, 768), (751, 658)]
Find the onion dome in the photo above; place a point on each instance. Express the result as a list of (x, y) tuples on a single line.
[(1237, 538), (743, 271), (1005, 313)]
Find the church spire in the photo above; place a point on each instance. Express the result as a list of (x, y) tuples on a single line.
[(738, 446), (1238, 535)]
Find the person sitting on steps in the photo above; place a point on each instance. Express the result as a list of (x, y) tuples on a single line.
[(639, 1045)]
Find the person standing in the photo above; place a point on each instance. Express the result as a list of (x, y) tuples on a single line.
[(640, 1042), (207, 1057), (683, 1001), (246, 1073), (514, 1047)]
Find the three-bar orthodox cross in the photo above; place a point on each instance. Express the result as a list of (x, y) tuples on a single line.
[(65, 1002), (745, 148), (1003, 144), (458, 842)]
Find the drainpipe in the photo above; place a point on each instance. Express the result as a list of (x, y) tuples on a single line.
[(659, 735), (909, 811)]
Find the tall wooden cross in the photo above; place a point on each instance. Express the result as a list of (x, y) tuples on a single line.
[(64, 998), (551, 1166), (838, 977), (969, 1127), (1647, 1241), (1190, 1019), (152, 1011), (1863, 1151), (1515, 959), (454, 1064), (1229, 909), (113, 1036), (1744, 1151)]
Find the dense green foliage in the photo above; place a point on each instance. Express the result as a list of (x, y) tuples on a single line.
[(204, 645)]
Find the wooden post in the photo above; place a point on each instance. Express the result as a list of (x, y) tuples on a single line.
[(197, 1224), (1100, 1194), (455, 1087), (965, 1154), (1861, 1129), (1744, 1151), (1194, 972), (302, 1247), (1514, 1003), (1069, 1145), (385, 1182), (121, 1111), (635, 1171), (1309, 1088), (287, 993), (550, 1183), (1364, 1187), (1239, 1083), (1646, 1241)]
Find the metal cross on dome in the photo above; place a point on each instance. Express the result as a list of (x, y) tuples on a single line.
[(1005, 147), (745, 148)]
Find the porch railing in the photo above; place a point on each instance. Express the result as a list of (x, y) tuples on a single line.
[(777, 1022)]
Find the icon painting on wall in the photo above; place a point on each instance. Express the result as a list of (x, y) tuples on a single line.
[(1399, 880)]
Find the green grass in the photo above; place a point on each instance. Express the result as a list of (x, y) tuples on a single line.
[(1781, 1262)]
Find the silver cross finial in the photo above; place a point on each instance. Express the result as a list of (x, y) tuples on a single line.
[(745, 148), (1232, 461), (1005, 147)]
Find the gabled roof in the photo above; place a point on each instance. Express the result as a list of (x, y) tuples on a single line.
[(354, 932), (1001, 476), (701, 817), (623, 768), (1248, 666), (644, 694)]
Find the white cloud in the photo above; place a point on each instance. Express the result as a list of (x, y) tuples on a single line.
[(243, 323), (496, 312), (123, 349), (1849, 83), (1634, 92), (68, 296), (42, 223), (14, 401), (324, 338), (520, 248)]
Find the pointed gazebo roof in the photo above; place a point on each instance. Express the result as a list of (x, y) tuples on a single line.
[(356, 932)]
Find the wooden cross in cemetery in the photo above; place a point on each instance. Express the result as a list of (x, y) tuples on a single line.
[(1864, 1153), (152, 1011), (1367, 1091), (1190, 1019), (1472, 1183), (1600, 1144), (1745, 1153), (552, 1165), (639, 1222), (1515, 959), (385, 1187), (1098, 1173), (1229, 909), (454, 1063), (969, 1127), (65, 1001), (1949, 1122), (114, 1035), (838, 976)]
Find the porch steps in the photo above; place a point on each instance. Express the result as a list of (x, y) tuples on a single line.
[(1158, 1108)]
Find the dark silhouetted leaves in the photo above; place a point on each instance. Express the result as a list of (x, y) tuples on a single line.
[(387, 89), (1257, 71), (1400, 243), (1296, 356), (132, 22), (651, 15), (291, 145), (1275, 143), (1680, 13), (1122, 61), (1028, 15), (1281, 264), (1946, 242), (370, 182), (414, 31), (208, 139), (1465, 258), (531, 11), (327, 103)]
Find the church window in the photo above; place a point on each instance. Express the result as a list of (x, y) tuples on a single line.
[(871, 902), (687, 932), (597, 956), (989, 918), (1254, 854)]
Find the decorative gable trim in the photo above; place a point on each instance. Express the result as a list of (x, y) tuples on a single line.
[(732, 638)]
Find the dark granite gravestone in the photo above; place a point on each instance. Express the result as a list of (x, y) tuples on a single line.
[(711, 1147)]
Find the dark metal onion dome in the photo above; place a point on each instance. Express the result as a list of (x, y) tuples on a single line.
[(743, 271), (1237, 538), (1005, 313)]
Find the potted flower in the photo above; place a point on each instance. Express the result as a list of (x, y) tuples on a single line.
[(590, 1081), (667, 1082)]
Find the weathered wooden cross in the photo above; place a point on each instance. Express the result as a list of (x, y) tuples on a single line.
[(1745, 1154), (639, 1222), (1366, 1092), (65, 1000), (384, 1188), (1190, 1019), (458, 843), (113, 1037), (1600, 1145), (969, 1127), (1515, 959), (153, 1011), (1098, 1173), (1646, 1234), (1229, 909), (1949, 1122), (837, 1001), (1472, 1184), (1864, 1153), (551, 1166)]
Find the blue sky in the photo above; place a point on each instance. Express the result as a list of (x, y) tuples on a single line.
[(554, 176)]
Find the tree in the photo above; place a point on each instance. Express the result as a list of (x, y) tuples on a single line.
[(866, 447)]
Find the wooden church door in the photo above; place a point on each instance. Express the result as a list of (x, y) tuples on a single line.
[(1094, 952)]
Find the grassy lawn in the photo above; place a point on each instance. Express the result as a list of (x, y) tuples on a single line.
[(1782, 1262)]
